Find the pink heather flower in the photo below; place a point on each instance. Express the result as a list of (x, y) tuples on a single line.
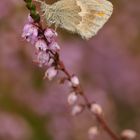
[(76, 110), (54, 46), (72, 98), (74, 81), (128, 134), (92, 132), (41, 45), (30, 33), (96, 109), (50, 34), (50, 73), (43, 58)]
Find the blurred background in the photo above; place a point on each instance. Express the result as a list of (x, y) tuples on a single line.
[(108, 66)]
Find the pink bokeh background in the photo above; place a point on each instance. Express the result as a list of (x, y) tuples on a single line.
[(108, 66)]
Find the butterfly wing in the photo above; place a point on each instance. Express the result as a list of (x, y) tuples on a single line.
[(67, 14), (95, 14), (84, 17)]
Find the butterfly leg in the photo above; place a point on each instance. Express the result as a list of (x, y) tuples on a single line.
[(56, 26)]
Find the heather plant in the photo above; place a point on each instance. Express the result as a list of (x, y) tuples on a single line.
[(47, 52)]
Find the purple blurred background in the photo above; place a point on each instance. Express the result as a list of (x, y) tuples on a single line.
[(108, 66)]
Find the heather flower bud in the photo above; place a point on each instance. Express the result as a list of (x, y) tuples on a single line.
[(30, 19), (30, 33), (76, 110), (54, 46), (72, 98), (96, 109), (50, 73), (92, 132), (43, 58), (41, 45), (50, 34), (74, 81), (128, 134)]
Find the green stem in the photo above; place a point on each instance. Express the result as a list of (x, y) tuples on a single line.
[(32, 8)]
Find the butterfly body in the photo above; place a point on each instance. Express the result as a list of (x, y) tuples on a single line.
[(84, 17)]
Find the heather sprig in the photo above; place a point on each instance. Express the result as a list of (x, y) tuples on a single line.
[(44, 41)]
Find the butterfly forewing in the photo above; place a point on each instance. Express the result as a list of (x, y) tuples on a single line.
[(67, 12)]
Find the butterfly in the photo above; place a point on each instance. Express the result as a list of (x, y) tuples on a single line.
[(84, 17)]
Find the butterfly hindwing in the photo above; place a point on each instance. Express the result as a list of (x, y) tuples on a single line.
[(95, 14)]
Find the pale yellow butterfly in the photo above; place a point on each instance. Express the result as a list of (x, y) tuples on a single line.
[(84, 17)]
